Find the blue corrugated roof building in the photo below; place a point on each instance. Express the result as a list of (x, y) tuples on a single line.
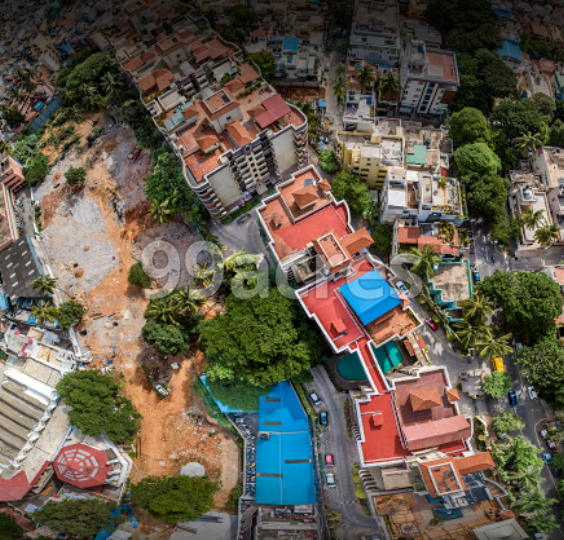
[(510, 50), (284, 466), (370, 296)]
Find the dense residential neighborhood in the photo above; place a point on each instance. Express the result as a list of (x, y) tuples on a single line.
[(282, 269)]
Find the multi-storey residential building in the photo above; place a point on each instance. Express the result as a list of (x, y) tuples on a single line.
[(233, 133), (428, 79), (11, 180), (375, 35), (375, 147), (421, 195), (548, 163)]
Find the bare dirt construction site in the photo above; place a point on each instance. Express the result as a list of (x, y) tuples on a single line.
[(91, 249)]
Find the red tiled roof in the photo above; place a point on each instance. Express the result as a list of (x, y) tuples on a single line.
[(163, 78), (408, 235), (324, 185), (248, 74), (275, 108), (339, 326), (424, 398), (239, 134), (15, 488), (357, 241), (452, 394), (441, 477), (305, 196), (478, 462), (82, 466), (148, 82), (539, 30), (235, 85), (437, 432), (207, 141)]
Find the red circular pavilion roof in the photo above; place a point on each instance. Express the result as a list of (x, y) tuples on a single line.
[(82, 466)]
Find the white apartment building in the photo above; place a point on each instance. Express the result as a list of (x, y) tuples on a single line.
[(428, 79), (375, 35), (420, 195)]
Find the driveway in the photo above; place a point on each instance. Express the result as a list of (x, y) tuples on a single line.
[(335, 440), (242, 233)]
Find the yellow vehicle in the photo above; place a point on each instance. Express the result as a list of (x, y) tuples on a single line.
[(498, 364)]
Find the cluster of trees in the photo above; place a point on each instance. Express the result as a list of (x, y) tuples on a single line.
[(138, 277), (519, 467), (470, 29), (27, 151), (266, 63), (484, 150), (169, 193), (312, 120), (353, 189), (257, 343), (75, 517), (328, 162), (540, 47), (97, 408), (175, 498), (75, 176), (172, 321), (9, 529)]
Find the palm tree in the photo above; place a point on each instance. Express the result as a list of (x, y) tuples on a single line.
[(340, 69), (530, 218), (492, 346), (163, 310), (203, 274), (469, 334), (339, 88), (91, 99), (44, 312), (532, 501), (365, 76), (425, 260), (477, 309), (6, 146), (528, 142), (543, 522), (388, 86), (186, 299), (547, 235), (112, 85), (76, 114), (162, 212), (45, 284)]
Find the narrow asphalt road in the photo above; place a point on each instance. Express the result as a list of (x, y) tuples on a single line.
[(345, 456)]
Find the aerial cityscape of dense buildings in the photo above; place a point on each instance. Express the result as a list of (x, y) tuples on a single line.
[(280, 270)]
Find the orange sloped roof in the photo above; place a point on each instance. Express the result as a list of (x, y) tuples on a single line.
[(148, 82), (478, 462), (452, 395), (239, 134), (163, 78), (357, 241), (235, 85), (305, 196), (408, 235), (134, 63), (441, 477), (424, 398), (248, 74), (207, 141), (324, 185)]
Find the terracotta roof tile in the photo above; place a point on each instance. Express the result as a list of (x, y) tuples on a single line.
[(357, 241), (452, 395), (408, 235), (424, 398), (239, 134), (478, 462)]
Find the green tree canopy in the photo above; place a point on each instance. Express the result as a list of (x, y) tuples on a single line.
[(328, 162), (557, 133), (382, 234), (468, 126), (75, 517), (514, 118), (9, 529), (75, 176), (506, 421), (70, 312), (498, 79), (175, 498), (97, 407), (238, 395), (353, 189), (486, 195), (543, 367), (477, 158), (35, 169), (530, 302), (166, 338), (256, 341), (12, 115), (497, 384), (137, 276), (89, 73), (267, 64)]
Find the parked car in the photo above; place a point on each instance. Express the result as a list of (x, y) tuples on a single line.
[(330, 480), (476, 274), (546, 457), (403, 289), (315, 399), (549, 442), (323, 419), (470, 235), (532, 393), (161, 390), (431, 324), (512, 398), (329, 461), (498, 364)]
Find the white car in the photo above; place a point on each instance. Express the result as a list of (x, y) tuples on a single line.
[(532, 393), (330, 480), (161, 390), (403, 289)]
